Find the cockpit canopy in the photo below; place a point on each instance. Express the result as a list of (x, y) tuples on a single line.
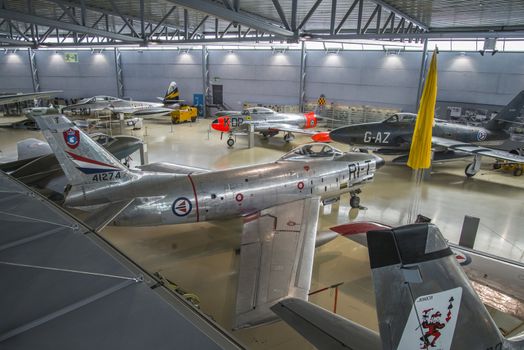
[(402, 118), (321, 151), (99, 99), (102, 139), (257, 110)]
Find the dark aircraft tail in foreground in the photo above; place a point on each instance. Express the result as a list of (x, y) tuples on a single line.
[(424, 301)]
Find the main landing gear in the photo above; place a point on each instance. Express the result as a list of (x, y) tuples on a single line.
[(354, 201), (474, 167), (288, 137)]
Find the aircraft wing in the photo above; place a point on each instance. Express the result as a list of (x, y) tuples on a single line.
[(475, 149), (6, 99), (324, 329), (282, 127), (276, 259)]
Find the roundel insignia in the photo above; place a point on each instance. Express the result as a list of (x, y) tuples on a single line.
[(482, 134), (462, 258), (239, 197), (72, 138), (182, 206), (300, 185)]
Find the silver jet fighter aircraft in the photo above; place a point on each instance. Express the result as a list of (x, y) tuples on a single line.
[(279, 202), (106, 105), (394, 134), (265, 121)]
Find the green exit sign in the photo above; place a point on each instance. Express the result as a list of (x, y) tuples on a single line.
[(71, 57)]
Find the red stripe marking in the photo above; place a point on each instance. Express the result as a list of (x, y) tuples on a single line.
[(196, 198), (358, 227), (87, 160)]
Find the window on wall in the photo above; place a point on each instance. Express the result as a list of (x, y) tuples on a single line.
[(513, 45), (461, 45)]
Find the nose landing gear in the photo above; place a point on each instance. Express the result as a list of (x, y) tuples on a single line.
[(354, 201), (288, 137)]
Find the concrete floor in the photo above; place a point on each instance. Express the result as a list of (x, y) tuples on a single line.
[(201, 257)]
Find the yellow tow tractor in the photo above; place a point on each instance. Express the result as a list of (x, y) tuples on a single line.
[(184, 114), (515, 168)]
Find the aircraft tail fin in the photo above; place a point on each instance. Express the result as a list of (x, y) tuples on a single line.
[(424, 299), (82, 159), (172, 93), (507, 114)]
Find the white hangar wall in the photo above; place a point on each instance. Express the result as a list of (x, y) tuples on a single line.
[(256, 76), (15, 72), (147, 73), (94, 74), (261, 76)]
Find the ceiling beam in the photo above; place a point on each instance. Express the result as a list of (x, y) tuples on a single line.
[(32, 19), (114, 14), (401, 14), (422, 35), (243, 18), (14, 42)]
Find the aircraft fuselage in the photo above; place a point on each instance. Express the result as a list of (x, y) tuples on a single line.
[(173, 199), (399, 135)]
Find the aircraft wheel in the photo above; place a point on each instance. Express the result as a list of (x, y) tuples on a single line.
[(497, 166), (193, 119), (354, 202), (469, 170), (517, 171), (230, 142)]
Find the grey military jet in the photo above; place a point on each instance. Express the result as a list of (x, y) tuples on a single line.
[(108, 105), (450, 141), (279, 202), (264, 121), (424, 301)]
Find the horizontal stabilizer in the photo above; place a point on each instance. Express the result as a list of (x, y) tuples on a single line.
[(324, 329), (99, 219)]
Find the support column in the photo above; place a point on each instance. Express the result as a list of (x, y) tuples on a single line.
[(422, 73), (251, 137), (34, 70), (205, 80), (119, 73), (302, 84)]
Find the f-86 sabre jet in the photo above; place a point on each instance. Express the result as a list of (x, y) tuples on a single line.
[(279, 202), (450, 141), (99, 105), (264, 121)]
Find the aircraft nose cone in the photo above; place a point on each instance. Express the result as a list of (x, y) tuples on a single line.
[(379, 161), (339, 135)]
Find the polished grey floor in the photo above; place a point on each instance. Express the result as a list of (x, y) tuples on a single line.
[(201, 257)]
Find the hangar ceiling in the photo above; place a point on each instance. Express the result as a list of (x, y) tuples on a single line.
[(37, 23)]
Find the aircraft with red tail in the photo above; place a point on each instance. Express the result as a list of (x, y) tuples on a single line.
[(266, 122)]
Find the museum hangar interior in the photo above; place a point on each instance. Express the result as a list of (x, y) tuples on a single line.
[(232, 174)]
